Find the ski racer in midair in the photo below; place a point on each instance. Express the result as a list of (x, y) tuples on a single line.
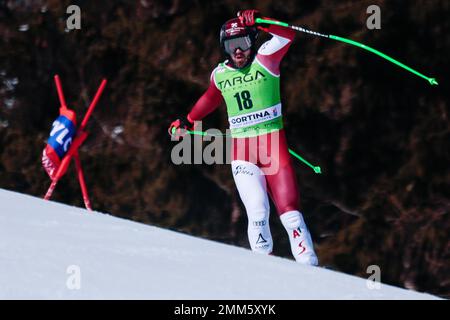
[(249, 84)]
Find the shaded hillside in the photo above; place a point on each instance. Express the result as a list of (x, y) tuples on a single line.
[(380, 134)]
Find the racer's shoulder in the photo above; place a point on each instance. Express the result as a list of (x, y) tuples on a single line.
[(221, 67)]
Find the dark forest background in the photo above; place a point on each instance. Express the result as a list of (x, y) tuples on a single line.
[(380, 134)]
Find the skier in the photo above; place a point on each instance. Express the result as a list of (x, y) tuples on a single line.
[(249, 83)]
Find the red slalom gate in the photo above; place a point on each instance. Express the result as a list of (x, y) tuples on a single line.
[(58, 154)]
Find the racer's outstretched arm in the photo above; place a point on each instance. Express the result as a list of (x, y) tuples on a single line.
[(207, 103)]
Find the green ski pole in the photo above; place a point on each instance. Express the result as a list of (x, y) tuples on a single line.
[(316, 169), (432, 81)]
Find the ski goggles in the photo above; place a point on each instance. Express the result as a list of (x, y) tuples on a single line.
[(243, 43)]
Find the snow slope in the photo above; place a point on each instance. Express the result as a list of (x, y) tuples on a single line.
[(54, 251)]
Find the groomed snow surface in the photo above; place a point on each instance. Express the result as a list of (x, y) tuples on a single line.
[(53, 251)]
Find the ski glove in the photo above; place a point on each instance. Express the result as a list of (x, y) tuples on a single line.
[(177, 126), (248, 17)]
